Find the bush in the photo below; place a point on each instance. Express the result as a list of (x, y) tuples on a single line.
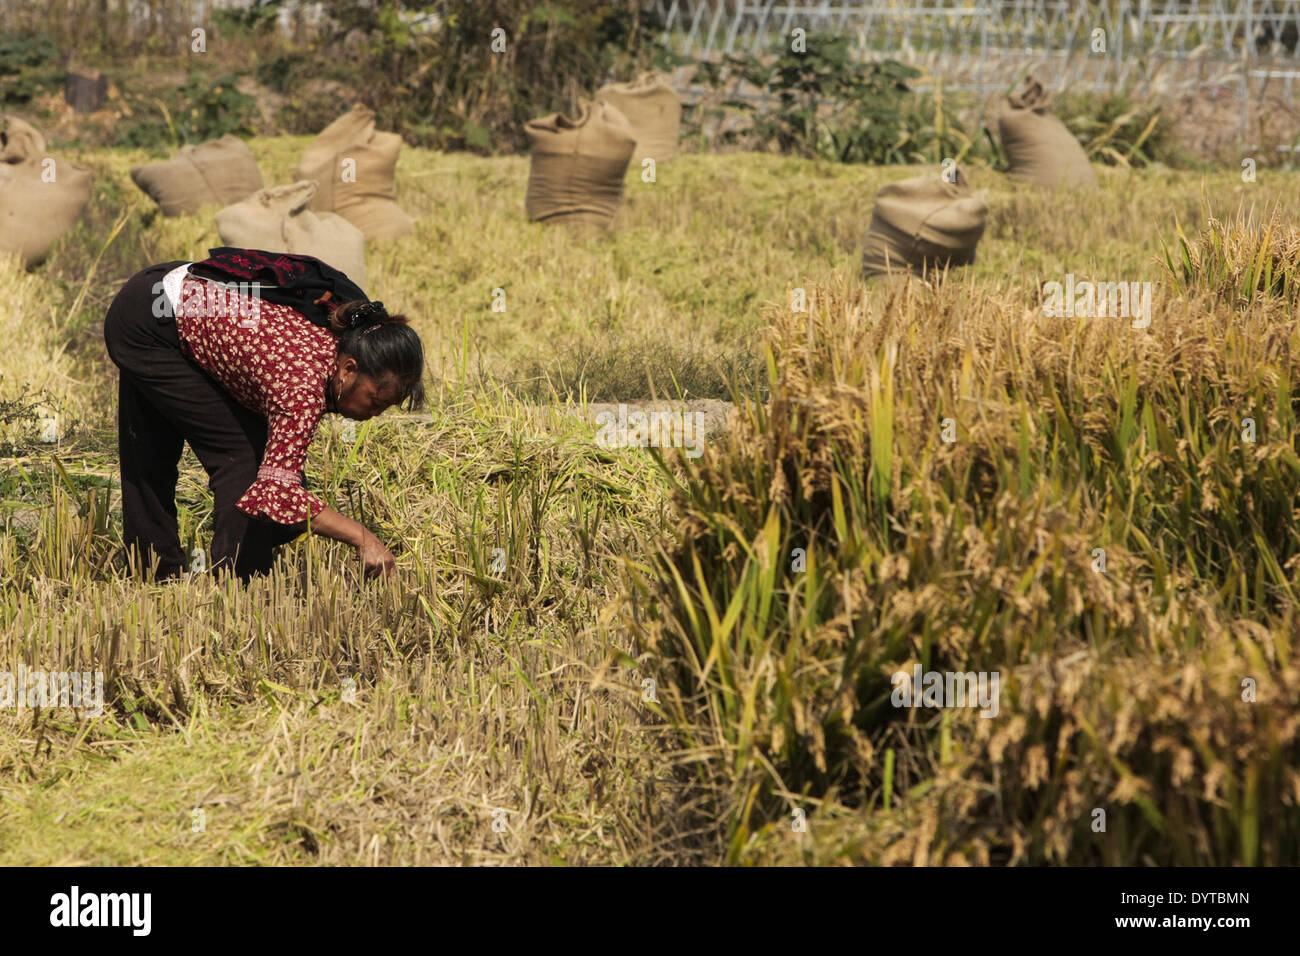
[(450, 82), (832, 107), (201, 110), (29, 64), (256, 18)]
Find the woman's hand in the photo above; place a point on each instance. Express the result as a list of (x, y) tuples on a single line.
[(375, 556)]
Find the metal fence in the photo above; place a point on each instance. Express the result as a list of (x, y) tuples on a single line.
[(1246, 47)]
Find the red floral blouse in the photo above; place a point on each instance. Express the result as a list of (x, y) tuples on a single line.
[(275, 362)]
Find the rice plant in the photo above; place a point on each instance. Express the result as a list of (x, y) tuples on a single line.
[(840, 537), (1240, 260)]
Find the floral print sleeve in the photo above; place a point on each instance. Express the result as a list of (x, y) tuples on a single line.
[(278, 493), (275, 362)]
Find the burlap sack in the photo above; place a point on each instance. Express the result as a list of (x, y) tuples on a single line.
[(578, 165), (221, 171), (279, 220), (19, 141), (653, 111), (39, 200), (924, 224), (1039, 147), (354, 166)]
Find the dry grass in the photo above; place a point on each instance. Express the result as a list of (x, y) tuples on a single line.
[(471, 687), (479, 691)]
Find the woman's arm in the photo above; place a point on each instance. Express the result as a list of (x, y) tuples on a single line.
[(375, 557), (279, 493)]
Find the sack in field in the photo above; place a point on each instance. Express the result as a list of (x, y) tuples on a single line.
[(924, 224), (578, 165), (354, 166), (19, 141), (653, 111), (220, 171), (1039, 147), (279, 220), (40, 198)]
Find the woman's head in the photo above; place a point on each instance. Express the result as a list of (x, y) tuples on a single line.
[(380, 365)]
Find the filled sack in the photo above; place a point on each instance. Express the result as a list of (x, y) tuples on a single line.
[(40, 198), (221, 171), (577, 166), (354, 165), (280, 219), (653, 111), (19, 141), (1039, 147), (924, 224)]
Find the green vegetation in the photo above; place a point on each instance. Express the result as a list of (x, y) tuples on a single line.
[(1240, 261), (28, 65), (479, 690), (1097, 530), (826, 104), (447, 80), (1118, 131), (199, 111)]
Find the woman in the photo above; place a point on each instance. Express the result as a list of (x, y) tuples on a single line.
[(243, 373)]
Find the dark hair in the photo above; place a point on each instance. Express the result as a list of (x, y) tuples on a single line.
[(382, 345)]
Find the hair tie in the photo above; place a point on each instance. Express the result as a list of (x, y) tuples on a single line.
[(371, 312)]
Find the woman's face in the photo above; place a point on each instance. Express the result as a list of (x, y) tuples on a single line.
[(359, 396)]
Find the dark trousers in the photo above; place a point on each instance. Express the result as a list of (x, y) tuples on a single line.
[(164, 400)]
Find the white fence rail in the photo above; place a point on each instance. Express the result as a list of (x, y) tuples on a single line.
[(985, 46)]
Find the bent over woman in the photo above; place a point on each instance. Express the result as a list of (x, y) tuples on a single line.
[(240, 355)]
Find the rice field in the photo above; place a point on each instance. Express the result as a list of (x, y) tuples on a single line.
[(948, 460)]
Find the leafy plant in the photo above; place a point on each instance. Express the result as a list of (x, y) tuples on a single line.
[(216, 108), (830, 106), (256, 17), (28, 64), (470, 75), (201, 110)]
